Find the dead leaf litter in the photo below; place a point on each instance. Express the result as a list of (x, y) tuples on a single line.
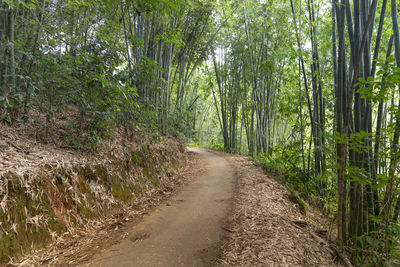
[(266, 229)]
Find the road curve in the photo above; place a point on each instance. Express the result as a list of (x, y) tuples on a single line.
[(185, 232)]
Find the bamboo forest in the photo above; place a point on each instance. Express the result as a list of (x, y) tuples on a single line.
[(307, 89)]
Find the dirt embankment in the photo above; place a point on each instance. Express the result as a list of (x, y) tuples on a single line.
[(49, 192)]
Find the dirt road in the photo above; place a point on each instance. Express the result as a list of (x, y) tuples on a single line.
[(184, 232), (180, 223)]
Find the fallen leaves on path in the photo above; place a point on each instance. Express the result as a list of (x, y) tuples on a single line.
[(267, 229)]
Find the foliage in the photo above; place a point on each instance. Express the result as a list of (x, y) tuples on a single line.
[(107, 64), (215, 144), (296, 99), (380, 247)]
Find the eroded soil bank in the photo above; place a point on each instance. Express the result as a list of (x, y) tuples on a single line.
[(48, 192), (80, 246)]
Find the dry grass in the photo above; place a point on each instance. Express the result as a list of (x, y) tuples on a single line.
[(267, 229)]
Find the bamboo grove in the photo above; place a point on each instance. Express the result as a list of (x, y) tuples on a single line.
[(111, 63), (308, 88)]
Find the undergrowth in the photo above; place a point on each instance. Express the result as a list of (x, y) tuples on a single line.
[(380, 246)]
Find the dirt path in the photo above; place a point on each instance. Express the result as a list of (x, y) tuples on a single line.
[(219, 210), (186, 231)]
